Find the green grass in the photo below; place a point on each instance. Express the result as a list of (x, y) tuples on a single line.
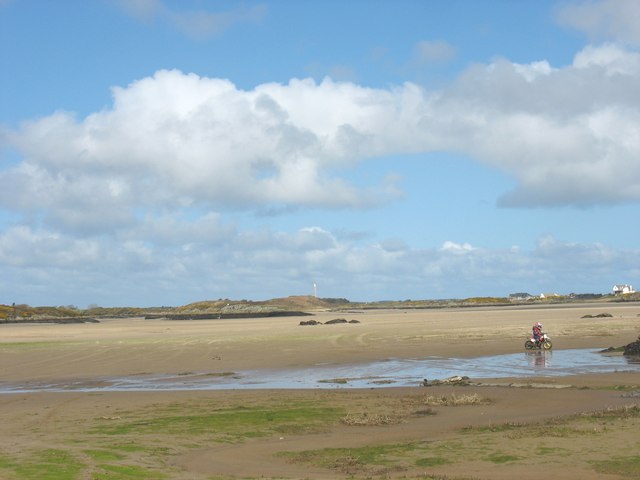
[(340, 381), (104, 455), (542, 450), (229, 424), (627, 467), (128, 447), (51, 464), (138, 444), (494, 444), (122, 446), (574, 426)]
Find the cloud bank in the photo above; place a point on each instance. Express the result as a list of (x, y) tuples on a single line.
[(143, 186), (209, 260)]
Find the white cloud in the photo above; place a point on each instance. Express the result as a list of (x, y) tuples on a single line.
[(603, 19), (177, 140), (457, 248), (23, 247), (243, 264), (610, 59)]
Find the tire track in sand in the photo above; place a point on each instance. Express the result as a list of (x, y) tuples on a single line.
[(345, 340)]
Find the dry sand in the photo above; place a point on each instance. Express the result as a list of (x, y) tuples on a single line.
[(460, 448)]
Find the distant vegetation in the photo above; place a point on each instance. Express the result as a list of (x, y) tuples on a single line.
[(293, 303)]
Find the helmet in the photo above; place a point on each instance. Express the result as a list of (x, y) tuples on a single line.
[(538, 324)]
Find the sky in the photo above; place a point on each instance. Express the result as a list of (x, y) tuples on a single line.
[(162, 152)]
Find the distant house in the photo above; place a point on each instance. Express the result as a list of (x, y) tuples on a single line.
[(622, 289), (549, 295)]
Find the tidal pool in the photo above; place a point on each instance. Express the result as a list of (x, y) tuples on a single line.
[(386, 373)]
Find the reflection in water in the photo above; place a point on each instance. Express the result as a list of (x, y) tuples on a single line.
[(540, 358), (390, 372)]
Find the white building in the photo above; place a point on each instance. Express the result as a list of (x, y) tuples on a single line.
[(549, 295), (622, 289)]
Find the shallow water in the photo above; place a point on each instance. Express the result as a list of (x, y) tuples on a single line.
[(391, 372)]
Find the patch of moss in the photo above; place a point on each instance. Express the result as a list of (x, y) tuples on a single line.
[(103, 455), (502, 458), (51, 464), (542, 450), (627, 467), (339, 381), (128, 447), (229, 423)]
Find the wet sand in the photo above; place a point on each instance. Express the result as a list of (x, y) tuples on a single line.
[(124, 347)]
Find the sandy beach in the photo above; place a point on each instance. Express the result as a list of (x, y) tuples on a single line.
[(581, 426)]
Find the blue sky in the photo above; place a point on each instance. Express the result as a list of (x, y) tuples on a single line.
[(158, 152)]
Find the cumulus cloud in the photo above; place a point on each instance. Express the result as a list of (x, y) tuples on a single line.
[(567, 135), (176, 140), (603, 19)]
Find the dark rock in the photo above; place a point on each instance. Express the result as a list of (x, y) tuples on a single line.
[(633, 348), (335, 320), (310, 322)]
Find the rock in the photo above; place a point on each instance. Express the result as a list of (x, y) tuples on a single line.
[(633, 348), (455, 380), (310, 322), (335, 320)]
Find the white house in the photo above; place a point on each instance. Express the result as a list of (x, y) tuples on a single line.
[(549, 295), (622, 289)]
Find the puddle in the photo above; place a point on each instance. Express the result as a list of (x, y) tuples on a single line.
[(391, 372)]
